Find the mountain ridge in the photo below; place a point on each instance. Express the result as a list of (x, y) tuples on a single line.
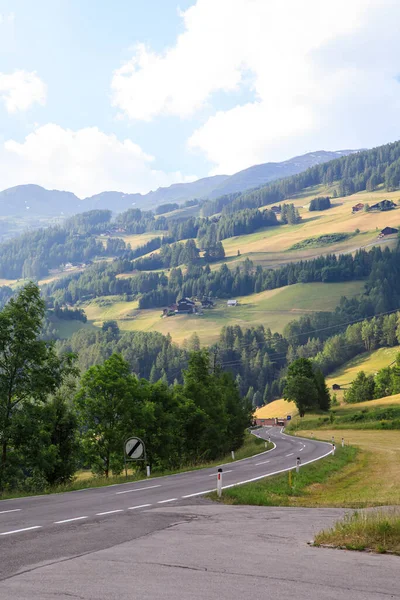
[(35, 200)]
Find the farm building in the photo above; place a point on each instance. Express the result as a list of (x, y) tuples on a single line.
[(383, 205), (388, 231), (186, 306), (357, 207), (336, 386), (232, 303), (276, 209)]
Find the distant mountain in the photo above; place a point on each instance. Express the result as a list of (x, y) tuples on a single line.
[(34, 200), (178, 192), (259, 175), (37, 201)]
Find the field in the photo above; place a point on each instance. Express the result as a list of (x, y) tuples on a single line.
[(272, 245), (373, 478), (370, 362), (277, 409), (272, 308)]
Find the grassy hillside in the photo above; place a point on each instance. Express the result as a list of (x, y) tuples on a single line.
[(272, 308), (370, 362), (277, 409), (272, 246)]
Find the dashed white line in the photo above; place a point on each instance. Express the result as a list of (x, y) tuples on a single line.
[(150, 487), (169, 500), (3, 512), (20, 530), (263, 463), (223, 472), (301, 449), (109, 512), (140, 506), (69, 520), (291, 454)]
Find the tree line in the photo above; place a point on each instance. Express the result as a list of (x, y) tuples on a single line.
[(350, 174), (54, 419)]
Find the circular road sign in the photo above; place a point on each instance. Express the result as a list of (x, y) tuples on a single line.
[(134, 448)]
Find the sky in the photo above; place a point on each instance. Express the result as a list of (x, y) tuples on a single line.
[(131, 95)]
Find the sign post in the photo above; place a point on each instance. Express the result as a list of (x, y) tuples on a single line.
[(135, 449), (219, 483)]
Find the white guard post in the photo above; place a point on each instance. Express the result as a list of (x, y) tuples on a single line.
[(233, 455), (342, 442), (219, 483), (148, 470), (298, 463), (333, 449)]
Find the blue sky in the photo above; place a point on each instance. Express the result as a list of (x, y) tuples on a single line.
[(133, 94)]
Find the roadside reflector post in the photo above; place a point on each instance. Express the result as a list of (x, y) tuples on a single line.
[(333, 439), (233, 455), (290, 478), (266, 445), (148, 470), (333, 449), (219, 483), (298, 463), (342, 442)]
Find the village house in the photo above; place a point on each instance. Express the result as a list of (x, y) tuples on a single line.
[(276, 209), (232, 303), (383, 205), (387, 231), (357, 207)]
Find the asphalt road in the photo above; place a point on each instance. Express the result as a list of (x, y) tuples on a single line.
[(42, 529)]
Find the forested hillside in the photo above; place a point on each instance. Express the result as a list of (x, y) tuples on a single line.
[(364, 170)]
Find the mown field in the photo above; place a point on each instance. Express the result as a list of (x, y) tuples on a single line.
[(271, 246), (369, 362), (272, 308)]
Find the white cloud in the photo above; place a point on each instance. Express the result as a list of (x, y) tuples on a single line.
[(318, 75), (85, 162), (21, 89)]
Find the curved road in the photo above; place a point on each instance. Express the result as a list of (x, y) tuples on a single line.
[(41, 528)]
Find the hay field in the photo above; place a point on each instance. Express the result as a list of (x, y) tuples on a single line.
[(272, 308)]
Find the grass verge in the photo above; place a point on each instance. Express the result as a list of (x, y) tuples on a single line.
[(277, 490), (372, 479), (378, 531), (85, 479)]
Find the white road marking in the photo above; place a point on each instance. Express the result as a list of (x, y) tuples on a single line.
[(150, 487), (263, 463), (140, 506), (291, 454), (198, 493), (223, 472), (69, 520), (20, 530), (301, 449), (109, 512), (164, 501), (3, 512)]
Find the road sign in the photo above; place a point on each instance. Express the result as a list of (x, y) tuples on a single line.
[(289, 418), (134, 448)]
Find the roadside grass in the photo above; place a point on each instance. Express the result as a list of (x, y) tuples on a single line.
[(383, 413), (84, 479), (277, 490), (372, 479), (378, 531)]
